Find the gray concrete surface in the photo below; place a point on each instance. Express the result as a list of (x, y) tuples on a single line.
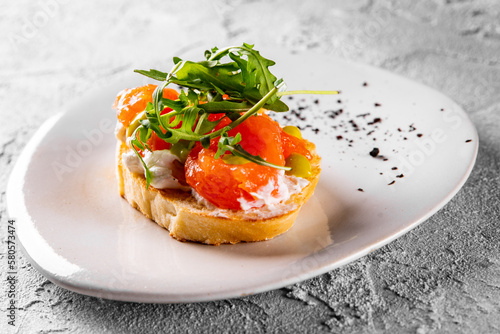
[(442, 277)]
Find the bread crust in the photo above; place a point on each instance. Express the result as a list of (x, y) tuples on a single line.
[(186, 219)]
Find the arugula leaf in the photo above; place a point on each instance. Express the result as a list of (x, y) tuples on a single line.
[(248, 79), (278, 106), (153, 74), (235, 81), (176, 105), (226, 141), (258, 67), (196, 75), (255, 70)]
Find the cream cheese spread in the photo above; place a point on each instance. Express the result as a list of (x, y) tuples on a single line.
[(160, 164), (286, 186), (265, 205)]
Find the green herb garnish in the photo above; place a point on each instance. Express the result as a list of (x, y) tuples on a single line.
[(235, 81)]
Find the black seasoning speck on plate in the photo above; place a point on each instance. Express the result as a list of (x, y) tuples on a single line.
[(375, 121), (374, 152)]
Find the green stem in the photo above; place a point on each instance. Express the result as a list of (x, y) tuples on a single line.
[(184, 135), (251, 158), (213, 108), (146, 169), (246, 115), (220, 53), (317, 92), (200, 121), (158, 93)]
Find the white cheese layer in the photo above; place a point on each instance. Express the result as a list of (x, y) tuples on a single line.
[(132, 162), (286, 185), (264, 205), (160, 164), (120, 132)]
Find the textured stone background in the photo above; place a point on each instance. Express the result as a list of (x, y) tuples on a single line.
[(444, 276)]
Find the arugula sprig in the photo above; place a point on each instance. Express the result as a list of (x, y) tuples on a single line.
[(235, 81), (245, 79)]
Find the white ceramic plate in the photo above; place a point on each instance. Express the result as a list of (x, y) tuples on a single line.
[(78, 232)]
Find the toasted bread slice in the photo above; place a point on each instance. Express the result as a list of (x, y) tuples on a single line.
[(187, 219)]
